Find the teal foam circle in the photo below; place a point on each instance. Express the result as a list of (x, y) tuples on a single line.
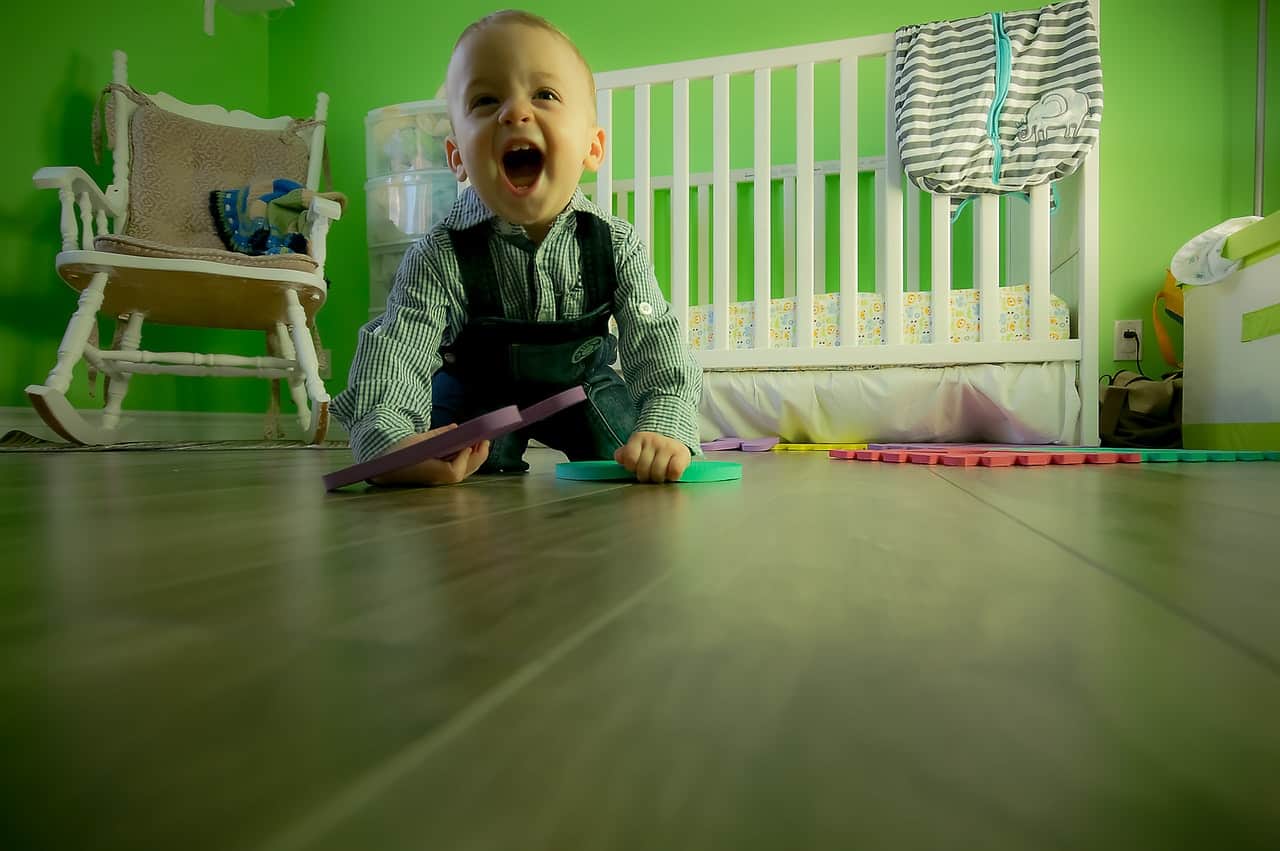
[(609, 471)]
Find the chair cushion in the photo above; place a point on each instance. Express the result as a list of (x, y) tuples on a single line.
[(121, 244), (175, 162)]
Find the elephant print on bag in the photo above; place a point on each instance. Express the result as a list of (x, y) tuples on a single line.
[(1060, 109)]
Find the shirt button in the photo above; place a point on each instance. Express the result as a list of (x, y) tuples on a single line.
[(645, 308)]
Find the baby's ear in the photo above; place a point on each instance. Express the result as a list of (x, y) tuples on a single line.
[(454, 157), (595, 150)]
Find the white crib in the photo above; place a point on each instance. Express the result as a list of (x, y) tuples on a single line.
[(1058, 261)]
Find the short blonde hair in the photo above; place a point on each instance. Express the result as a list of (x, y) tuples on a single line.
[(529, 19)]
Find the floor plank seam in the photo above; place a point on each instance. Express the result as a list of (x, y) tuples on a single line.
[(1271, 664), (380, 778), (380, 537)]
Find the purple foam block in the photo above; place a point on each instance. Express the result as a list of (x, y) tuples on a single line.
[(552, 405), (485, 427), (759, 444), (721, 444), (488, 426)]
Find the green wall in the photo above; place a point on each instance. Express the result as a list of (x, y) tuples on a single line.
[(1272, 159), (1177, 142), (55, 65)]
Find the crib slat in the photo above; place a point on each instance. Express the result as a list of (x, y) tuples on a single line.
[(891, 214), (680, 204), (604, 177), (644, 196), (849, 202), (913, 238), (733, 239), (624, 206), (986, 256), (789, 237), (940, 250), (1039, 250), (879, 229), (720, 265), (804, 206), (704, 245), (762, 225), (819, 234)]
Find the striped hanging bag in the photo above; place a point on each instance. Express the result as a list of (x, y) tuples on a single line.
[(997, 103)]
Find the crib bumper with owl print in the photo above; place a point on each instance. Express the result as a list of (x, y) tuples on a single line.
[(997, 103)]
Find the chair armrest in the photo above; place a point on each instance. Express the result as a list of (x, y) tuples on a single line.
[(327, 208), (315, 224), (78, 182)]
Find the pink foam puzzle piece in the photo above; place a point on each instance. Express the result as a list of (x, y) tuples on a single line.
[(842, 454), (488, 426), (894, 456), (960, 459), (997, 459), (1068, 458), (1101, 458), (927, 458), (866, 454), (938, 447), (970, 448), (759, 444), (722, 444), (1033, 459)]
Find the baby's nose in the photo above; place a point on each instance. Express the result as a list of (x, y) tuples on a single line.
[(517, 112)]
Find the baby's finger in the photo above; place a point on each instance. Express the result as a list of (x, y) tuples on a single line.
[(628, 455), (645, 463), (479, 454), (676, 466), (658, 467), (458, 465)]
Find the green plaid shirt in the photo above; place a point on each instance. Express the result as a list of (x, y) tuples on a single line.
[(388, 395)]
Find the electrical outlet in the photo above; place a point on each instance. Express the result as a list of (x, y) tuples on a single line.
[(1127, 348)]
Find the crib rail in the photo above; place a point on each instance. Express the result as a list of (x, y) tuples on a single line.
[(706, 203)]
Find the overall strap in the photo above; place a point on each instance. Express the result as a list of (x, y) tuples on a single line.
[(479, 280), (599, 269)]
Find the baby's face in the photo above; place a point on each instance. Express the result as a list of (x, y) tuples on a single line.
[(523, 128)]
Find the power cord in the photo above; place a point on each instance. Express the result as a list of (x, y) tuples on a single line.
[(1130, 334)]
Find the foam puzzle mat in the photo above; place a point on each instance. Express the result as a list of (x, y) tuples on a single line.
[(981, 455)]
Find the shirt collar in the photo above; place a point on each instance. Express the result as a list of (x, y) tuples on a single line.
[(469, 211)]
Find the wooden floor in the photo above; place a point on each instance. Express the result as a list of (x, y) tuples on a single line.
[(203, 650)]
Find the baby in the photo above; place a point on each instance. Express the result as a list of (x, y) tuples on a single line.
[(508, 299)]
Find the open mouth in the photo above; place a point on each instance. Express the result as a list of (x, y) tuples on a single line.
[(522, 164)]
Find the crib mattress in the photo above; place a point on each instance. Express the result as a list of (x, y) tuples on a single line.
[(917, 319)]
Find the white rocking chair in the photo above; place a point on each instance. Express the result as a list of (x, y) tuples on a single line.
[(163, 261)]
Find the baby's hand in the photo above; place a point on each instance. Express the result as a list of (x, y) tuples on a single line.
[(436, 471), (654, 457)]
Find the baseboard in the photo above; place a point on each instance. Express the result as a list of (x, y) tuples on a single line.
[(175, 425)]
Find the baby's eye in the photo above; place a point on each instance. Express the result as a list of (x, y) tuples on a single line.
[(546, 94), (483, 100)]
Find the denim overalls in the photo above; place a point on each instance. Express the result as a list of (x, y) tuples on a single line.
[(497, 361)]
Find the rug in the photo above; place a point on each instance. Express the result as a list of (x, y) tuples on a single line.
[(21, 441)]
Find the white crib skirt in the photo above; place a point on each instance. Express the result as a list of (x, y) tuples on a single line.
[(1025, 403)]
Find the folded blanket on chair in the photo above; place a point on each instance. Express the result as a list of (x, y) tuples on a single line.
[(264, 217)]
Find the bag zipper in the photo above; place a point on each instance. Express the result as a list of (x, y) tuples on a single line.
[(1004, 72)]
